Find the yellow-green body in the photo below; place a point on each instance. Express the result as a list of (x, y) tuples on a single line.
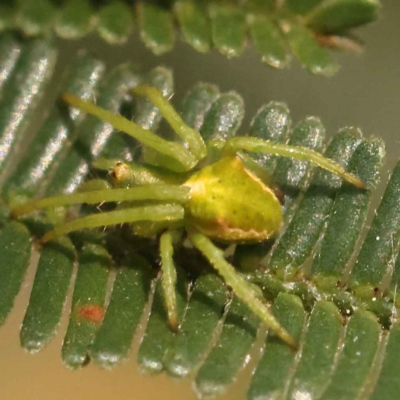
[(229, 203)]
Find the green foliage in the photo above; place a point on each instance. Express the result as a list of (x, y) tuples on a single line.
[(278, 29), (344, 325)]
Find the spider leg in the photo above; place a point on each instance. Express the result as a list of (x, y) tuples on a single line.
[(258, 145), (185, 159), (162, 212), (185, 132), (168, 193), (169, 278), (239, 285)]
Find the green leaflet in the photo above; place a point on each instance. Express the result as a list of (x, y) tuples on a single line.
[(229, 354), (115, 22), (16, 248), (10, 51), (48, 295), (93, 135), (349, 211), (379, 251), (311, 55), (224, 118), (354, 363), (129, 296), (51, 141), (156, 27), (387, 385), (75, 19), (88, 302), (304, 229), (228, 30), (159, 339), (195, 24), (202, 317), (269, 42), (35, 17), (319, 348), (274, 368), (335, 17), (23, 92)]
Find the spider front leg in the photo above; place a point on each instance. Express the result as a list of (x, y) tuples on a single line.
[(258, 145), (174, 156), (186, 133), (239, 285), (163, 212), (182, 158)]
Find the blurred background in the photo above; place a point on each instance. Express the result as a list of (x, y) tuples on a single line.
[(365, 93)]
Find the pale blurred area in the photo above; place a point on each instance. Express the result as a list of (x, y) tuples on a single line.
[(365, 93)]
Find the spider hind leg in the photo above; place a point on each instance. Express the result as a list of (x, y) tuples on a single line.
[(241, 288)]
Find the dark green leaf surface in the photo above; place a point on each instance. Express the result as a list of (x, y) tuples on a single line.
[(51, 142), (228, 29), (272, 122), (159, 338), (388, 384), (6, 17), (156, 27), (195, 24), (381, 246), (115, 22), (146, 114), (303, 6), (128, 298), (35, 16), (354, 363), (269, 42), (93, 135), (274, 368), (206, 307), (197, 103), (311, 55), (340, 15), (350, 209), (16, 249), (75, 19), (230, 353), (22, 93), (304, 229), (294, 174), (318, 352), (10, 51), (224, 118), (88, 305), (48, 295)]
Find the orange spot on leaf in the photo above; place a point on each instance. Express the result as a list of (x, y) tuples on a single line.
[(91, 313)]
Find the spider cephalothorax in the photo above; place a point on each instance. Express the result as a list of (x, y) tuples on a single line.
[(213, 191)]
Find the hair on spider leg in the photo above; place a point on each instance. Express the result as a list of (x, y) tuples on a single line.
[(98, 207)]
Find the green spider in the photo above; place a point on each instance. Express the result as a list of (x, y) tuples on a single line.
[(214, 191)]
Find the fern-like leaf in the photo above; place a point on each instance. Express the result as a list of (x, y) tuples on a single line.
[(277, 29), (346, 328)]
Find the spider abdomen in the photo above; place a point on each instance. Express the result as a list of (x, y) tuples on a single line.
[(229, 203)]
